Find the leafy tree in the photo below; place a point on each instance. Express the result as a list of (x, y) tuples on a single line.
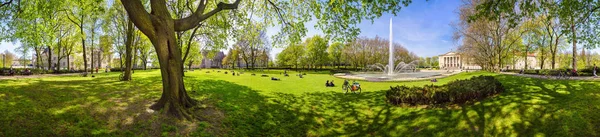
[(316, 48), (335, 53), (292, 55), (574, 19), (106, 45), (334, 17), (78, 12)]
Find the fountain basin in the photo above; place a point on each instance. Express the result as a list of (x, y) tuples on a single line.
[(408, 76)]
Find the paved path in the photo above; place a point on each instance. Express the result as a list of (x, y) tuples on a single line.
[(551, 77), (35, 76)]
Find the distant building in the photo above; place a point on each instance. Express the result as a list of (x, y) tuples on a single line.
[(215, 62), (531, 63), (53, 60), (104, 63), (18, 63), (453, 61)]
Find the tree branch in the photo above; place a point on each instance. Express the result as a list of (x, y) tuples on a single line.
[(6, 3), (192, 21), (278, 10), (139, 16)]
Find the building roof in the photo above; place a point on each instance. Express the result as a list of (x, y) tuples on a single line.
[(451, 53)]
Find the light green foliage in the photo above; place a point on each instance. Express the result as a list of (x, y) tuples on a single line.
[(576, 19), (292, 55), (335, 52), (316, 50)]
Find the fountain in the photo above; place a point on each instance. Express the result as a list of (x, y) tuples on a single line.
[(390, 72)]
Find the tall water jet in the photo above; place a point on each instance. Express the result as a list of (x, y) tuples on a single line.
[(391, 55)]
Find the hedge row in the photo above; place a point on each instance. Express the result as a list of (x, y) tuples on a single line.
[(456, 92), (588, 71)]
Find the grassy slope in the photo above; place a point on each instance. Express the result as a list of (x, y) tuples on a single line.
[(257, 106)]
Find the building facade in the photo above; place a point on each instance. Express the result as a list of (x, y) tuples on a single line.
[(453, 61)]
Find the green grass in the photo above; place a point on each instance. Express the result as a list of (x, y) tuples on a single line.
[(256, 106)]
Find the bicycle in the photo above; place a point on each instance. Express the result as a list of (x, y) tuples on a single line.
[(347, 87)]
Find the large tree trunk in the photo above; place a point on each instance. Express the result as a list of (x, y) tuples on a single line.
[(128, 52), (38, 57), (160, 29), (68, 62), (83, 47), (542, 58), (49, 57), (120, 60), (92, 56), (174, 99), (58, 57)]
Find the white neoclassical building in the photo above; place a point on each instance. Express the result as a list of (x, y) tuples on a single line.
[(452, 60)]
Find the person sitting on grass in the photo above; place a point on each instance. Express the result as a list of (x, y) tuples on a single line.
[(274, 78), (434, 80), (331, 84), (327, 83)]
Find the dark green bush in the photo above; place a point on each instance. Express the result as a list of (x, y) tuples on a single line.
[(456, 92)]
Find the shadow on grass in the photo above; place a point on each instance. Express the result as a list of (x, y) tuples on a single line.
[(105, 107), (529, 107), (77, 106)]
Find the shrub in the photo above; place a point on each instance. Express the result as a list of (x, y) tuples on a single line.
[(455, 92)]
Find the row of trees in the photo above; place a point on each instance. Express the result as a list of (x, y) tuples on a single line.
[(250, 51), (359, 53), (497, 33), (165, 23)]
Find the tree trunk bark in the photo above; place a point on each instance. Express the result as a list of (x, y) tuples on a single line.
[(92, 56), (38, 57), (68, 63), (49, 58), (574, 46), (128, 52), (83, 45), (58, 57), (542, 58), (174, 99)]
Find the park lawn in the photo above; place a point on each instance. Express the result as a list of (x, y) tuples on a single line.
[(256, 106)]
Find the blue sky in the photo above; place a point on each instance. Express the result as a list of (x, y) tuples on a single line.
[(423, 27)]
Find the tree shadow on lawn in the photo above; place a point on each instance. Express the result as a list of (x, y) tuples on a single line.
[(75, 106), (532, 107), (529, 107)]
